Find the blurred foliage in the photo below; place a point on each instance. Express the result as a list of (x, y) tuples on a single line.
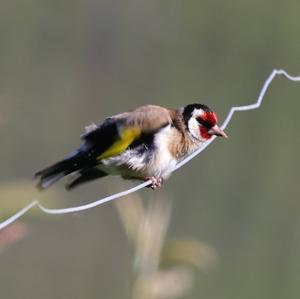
[(65, 64), (11, 235), (162, 267)]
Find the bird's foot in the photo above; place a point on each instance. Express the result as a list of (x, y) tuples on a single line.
[(156, 182)]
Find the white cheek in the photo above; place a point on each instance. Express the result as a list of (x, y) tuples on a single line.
[(194, 128)]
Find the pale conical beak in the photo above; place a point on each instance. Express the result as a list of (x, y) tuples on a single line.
[(215, 130)]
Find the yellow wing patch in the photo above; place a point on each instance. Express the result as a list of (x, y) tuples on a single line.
[(128, 135)]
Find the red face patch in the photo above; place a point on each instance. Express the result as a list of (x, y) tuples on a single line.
[(204, 133), (210, 117)]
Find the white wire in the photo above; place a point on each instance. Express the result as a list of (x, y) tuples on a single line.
[(101, 201), (18, 215), (93, 204)]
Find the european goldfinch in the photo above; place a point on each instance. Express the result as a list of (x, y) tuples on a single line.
[(143, 144)]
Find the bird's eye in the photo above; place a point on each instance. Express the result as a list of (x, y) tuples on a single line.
[(204, 123)]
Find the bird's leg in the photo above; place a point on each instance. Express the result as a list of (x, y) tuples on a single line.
[(156, 182)]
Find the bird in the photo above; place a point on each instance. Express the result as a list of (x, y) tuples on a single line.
[(143, 144)]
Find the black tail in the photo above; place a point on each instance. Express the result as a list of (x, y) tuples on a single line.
[(52, 174)]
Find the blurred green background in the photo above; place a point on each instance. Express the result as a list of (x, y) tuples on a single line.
[(64, 64)]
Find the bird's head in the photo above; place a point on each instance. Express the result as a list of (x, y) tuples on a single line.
[(201, 122)]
